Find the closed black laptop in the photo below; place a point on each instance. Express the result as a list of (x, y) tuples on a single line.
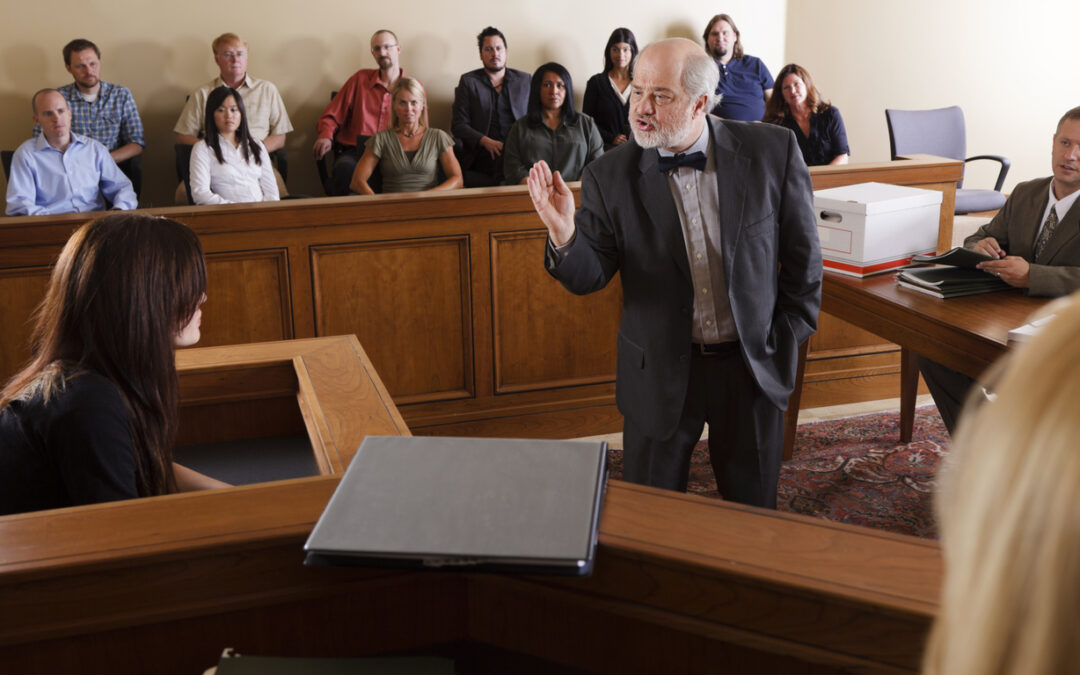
[(476, 504)]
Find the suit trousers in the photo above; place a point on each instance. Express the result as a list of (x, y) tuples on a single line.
[(949, 388), (746, 435)]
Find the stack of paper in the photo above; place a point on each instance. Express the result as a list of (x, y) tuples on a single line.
[(950, 282), (1029, 330)]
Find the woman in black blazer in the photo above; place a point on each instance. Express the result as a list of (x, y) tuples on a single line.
[(607, 94)]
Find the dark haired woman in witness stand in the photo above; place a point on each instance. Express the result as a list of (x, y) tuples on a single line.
[(798, 105), (551, 130), (229, 165), (92, 417), (607, 94), (409, 153)]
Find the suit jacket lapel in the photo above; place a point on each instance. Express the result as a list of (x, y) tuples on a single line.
[(731, 170), (655, 193)]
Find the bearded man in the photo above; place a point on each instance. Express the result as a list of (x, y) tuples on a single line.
[(486, 103), (711, 225)]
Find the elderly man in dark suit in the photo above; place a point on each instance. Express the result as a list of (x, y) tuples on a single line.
[(711, 225), (486, 103), (1035, 242)]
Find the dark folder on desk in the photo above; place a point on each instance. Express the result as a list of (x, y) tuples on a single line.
[(475, 504)]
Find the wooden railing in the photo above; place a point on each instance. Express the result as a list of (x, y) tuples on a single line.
[(448, 294)]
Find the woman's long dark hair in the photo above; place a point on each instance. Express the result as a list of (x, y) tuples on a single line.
[(122, 289), (534, 112), (620, 35), (249, 147)]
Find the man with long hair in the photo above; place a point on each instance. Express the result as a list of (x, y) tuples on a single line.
[(745, 82)]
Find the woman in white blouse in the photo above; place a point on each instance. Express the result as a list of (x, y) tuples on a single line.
[(228, 165)]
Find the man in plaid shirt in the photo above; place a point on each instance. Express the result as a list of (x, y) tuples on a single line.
[(103, 111)]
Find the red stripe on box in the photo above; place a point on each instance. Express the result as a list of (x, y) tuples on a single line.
[(860, 270)]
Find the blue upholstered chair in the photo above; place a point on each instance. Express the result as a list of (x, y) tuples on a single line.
[(941, 132)]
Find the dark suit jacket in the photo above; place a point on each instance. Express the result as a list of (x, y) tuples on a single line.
[(601, 103), (472, 109), (628, 223), (1057, 270)]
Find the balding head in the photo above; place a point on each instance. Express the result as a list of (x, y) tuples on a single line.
[(696, 71), (673, 87), (52, 113)]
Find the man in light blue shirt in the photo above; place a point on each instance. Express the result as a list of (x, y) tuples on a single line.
[(63, 172)]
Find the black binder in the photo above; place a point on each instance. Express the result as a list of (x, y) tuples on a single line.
[(471, 504)]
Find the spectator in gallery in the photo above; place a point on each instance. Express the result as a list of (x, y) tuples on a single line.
[(745, 81), (103, 111), (410, 153), (817, 124), (551, 130), (360, 109), (607, 94), (229, 165), (486, 103), (61, 171)]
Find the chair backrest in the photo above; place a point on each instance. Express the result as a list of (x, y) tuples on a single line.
[(933, 132), (132, 168), (183, 167), (5, 157)]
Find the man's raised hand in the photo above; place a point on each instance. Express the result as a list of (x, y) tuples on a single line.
[(553, 201)]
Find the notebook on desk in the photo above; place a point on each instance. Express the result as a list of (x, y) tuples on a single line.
[(476, 504)]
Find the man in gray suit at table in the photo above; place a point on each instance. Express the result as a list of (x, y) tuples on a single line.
[(486, 103), (1035, 240), (711, 225)]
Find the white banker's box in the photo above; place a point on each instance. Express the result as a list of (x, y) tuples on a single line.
[(870, 228)]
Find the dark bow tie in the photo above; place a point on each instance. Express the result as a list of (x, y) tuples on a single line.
[(695, 160)]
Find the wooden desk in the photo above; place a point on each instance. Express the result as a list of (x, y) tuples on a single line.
[(966, 334)]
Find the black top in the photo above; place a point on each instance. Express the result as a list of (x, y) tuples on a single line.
[(611, 115), (75, 450), (828, 138)]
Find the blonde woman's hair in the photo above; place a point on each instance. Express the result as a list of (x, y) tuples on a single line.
[(1009, 509)]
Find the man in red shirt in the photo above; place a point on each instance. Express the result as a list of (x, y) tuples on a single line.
[(361, 108)]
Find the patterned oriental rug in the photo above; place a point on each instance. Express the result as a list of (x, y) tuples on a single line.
[(851, 470)]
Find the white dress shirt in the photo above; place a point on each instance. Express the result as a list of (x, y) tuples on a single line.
[(231, 181)]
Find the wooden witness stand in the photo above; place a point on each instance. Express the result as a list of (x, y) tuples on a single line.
[(470, 336), (681, 584)]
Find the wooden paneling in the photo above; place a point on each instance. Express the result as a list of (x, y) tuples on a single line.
[(247, 298), (446, 290), (21, 291), (410, 300), (542, 338)]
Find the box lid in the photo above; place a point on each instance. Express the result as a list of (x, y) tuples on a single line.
[(872, 198)]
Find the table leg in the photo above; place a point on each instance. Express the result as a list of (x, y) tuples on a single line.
[(909, 389), (791, 417)]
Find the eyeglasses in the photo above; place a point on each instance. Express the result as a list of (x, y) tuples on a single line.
[(233, 55)]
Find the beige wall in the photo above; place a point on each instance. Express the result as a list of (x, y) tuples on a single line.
[(310, 48), (1007, 64)]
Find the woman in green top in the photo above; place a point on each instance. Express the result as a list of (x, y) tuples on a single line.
[(551, 130), (408, 153)]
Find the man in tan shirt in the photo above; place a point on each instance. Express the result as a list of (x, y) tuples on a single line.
[(266, 116)]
